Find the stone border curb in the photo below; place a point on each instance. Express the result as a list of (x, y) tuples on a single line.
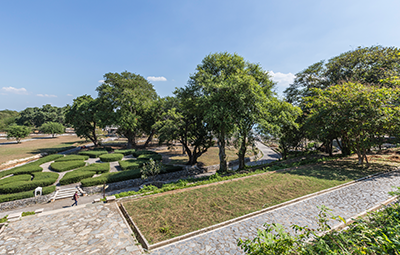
[(144, 242), (140, 237)]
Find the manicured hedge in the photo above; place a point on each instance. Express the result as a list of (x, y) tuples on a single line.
[(125, 152), (15, 179), (76, 176), (150, 156), (41, 179), (98, 168), (30, 167), (111, 157), (131, 164), (67, 165), (171, 168), (73, 157), (25, 194), (138, 153), (111, 177), (93, 153)]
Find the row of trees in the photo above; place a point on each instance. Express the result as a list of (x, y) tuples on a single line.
[(352, 99), (225, 100)]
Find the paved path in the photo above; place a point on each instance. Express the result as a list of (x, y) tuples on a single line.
[(88, 229), (346, 202)]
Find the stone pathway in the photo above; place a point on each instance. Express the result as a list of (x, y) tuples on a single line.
[(346, 202), (87, 229)]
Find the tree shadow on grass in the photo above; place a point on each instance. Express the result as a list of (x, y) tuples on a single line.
[(341, 170), (62, 147)]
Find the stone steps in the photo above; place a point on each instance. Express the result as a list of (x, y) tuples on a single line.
[(66, 193)]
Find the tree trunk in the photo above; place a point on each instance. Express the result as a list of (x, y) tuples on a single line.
[(242, 153), (149, 139), (94, 138), (223, 166)]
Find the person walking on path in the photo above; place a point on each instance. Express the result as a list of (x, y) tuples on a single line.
[(75, 198)]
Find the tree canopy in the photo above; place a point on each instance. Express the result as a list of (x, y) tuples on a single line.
[(17, 132), (52, 128), (130, 95)]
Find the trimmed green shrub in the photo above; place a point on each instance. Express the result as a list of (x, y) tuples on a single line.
[(76, 176), (93, 153), (67, 165), (131, 164), (16, 178), (27, 213), (47, 159), (171, 168), (138, 153), (27, 169), (96, 167), (111, 157), (125, 152), (6, 172), (155, 157), (111, 177), (73, 157), (25, 194), (41, 179)]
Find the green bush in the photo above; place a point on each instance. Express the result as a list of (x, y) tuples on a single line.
[(125, 152), (155, 157), (131, 164), (93, 153), (25, 194), (41, 179), (30, 167), (111, 157), (27, 169), (138, 153), (66, 165), (171, 168), (73, 157), (76, 176), (47, 159), (15, 179), (96, 167), (111, 177)]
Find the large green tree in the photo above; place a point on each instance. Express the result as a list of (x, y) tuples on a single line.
[(35, 117), (131, 96), (17, 132), (7, 118), (183, 120), (88, 114), (233, 93), (52, 128), (359, 113)]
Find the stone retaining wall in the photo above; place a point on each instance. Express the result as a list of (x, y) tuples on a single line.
[(188, 171), (24, 202)]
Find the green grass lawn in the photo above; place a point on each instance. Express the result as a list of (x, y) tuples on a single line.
[(176, 213)]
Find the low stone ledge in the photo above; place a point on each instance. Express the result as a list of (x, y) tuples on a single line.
[(21, 203)]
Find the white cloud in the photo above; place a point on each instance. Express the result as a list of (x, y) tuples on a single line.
[(101, 81), (283, 80), (70, 95), (153, 78), (45, 95), (21, 91)]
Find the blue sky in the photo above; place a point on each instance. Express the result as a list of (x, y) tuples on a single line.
[(54, 51)]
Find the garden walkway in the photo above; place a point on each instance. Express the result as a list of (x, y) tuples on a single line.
[(346, 202)]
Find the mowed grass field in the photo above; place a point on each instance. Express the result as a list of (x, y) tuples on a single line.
[(39, 145), (164, 216)]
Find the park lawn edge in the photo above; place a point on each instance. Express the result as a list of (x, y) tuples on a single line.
[(149, 196)]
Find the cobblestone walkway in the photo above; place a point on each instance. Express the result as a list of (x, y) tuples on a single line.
[(88, 229), (346, 202)]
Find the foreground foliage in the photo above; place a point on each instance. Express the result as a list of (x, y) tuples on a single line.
[(378, 233)]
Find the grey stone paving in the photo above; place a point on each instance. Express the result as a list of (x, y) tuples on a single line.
[(346, 202), (88, 229)]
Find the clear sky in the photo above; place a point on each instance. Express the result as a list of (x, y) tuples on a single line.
[(54, 51)]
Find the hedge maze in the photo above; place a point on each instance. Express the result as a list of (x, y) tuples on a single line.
[(20, 182)]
